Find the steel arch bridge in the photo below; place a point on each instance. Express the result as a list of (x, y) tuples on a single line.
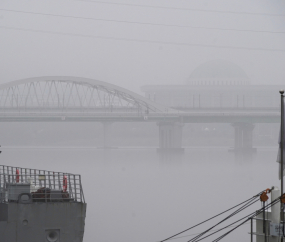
[(72, 94)]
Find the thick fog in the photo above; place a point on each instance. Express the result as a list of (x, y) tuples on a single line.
[(133, 191), (35, 44)]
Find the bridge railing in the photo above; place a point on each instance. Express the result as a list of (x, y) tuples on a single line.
[(222, 101)]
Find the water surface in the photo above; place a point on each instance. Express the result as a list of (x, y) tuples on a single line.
[(134, 194)]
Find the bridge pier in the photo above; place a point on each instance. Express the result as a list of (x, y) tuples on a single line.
[(170, 137), (107, 135), (243, 138)]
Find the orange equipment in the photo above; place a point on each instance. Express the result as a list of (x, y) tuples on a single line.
[(17, 176), (64, 184), (263, 196), (282, 198)]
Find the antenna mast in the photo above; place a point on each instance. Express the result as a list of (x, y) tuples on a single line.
[(281, 154)]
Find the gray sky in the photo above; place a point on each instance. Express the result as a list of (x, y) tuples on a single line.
[(129, 63)]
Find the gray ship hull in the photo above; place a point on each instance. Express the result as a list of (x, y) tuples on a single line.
[(36, 222), (40, 206)]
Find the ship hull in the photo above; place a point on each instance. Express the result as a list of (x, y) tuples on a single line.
[(48, 222)]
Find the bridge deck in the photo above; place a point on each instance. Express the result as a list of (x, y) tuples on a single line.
[(194, 116)]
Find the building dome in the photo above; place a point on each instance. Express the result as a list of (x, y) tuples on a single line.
[(218, 72)]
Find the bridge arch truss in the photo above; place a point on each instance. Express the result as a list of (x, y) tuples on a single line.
[(72, 94)]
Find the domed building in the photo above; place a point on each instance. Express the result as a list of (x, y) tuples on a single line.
[(220, 87), (218, 72), (214, 84)]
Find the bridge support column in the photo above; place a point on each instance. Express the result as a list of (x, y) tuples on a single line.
[(170, 137), (107, 138), (243, 138)]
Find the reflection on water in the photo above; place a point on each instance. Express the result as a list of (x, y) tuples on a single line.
[(244, 157), (140, 195)]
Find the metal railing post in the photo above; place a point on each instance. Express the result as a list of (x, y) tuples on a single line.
[(80, 188), (70, 187), (75, 192), (47, 186)]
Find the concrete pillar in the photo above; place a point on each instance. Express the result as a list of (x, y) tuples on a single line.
[(238, 137), (170, 137), (107, 138), (243, 137), (247, 132)]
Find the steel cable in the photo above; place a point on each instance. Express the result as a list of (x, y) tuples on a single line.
[(257, 213), (138, 22), (195, 239), (251, 214), (182, 8), (224, 235), (189, 235), (140, 40), (211, 217)]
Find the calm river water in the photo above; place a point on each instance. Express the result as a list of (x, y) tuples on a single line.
[(135, 195)]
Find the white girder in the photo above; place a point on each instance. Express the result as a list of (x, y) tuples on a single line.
[(72, 92)]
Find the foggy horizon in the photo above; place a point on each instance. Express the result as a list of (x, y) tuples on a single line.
[(132, 64), (201, 137)]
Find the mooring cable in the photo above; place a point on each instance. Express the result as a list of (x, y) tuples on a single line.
[(253, 214), (253, 200), (224, 235), (211, 218), (256, 213), (188, 235)]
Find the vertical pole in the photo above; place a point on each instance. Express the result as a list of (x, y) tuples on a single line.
[(264, 222), (35, 177), (49, 182), (45, 186), (1, 186), (75, 192), (53, 180), (70, 187), (282, 146), (81, 190), (4, 177), (251, 230), (59, 184), (79, 178), (275, 210), (199, 102), (21, 175)]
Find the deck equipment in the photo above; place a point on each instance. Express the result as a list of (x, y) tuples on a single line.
[(40, 205)]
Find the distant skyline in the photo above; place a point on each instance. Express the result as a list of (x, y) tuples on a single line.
[(136, 43)]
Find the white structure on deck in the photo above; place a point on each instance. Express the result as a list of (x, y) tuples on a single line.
[(272, 229)]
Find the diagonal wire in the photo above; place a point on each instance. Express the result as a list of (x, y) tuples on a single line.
[(227, 226), (254, 200), (251, 215), (138, 22), (183, 9), (224, 235), (142, 40), (196, 234), (255, 214), (211, 218)]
